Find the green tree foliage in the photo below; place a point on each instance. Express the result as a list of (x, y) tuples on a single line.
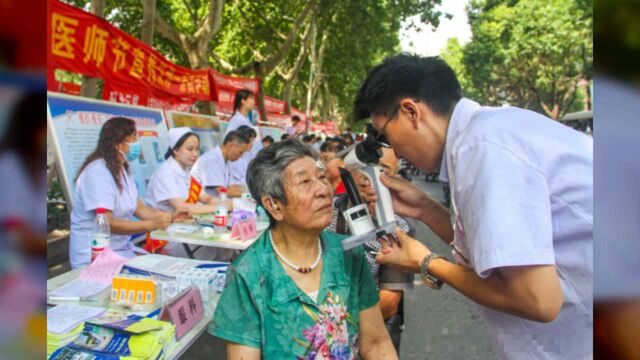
[(531, 54), (343, 39)]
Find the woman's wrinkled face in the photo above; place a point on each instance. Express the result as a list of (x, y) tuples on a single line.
[(188, 152), (309, 195)]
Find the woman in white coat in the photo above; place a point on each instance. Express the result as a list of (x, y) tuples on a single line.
[(104, 181), (172, 188)]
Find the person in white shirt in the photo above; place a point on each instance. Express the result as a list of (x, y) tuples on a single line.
[(292, 128), (171, 187), (522, 195), (239, 167), (213, 170), (104, 181), (244, 103)]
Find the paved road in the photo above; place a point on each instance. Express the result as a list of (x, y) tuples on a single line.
[(441, 324), (438, 324)]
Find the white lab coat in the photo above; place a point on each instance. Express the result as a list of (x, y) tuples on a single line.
[(522, 194), (169, 181), (211, 169), (95, 189), (239, 167)]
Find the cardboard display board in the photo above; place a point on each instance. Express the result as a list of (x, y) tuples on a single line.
[(74, 124), (207, 127)]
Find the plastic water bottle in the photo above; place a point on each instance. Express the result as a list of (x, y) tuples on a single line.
[(100, 233), (220, 216), (222, 191)]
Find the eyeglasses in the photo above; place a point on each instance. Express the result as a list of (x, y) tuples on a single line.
[(380, 137)]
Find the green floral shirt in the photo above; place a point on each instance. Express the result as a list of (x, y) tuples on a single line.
[(262, 307)]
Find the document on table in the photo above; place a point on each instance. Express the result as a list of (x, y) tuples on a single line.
[(182, 228), (80, 288), (63, 318), (104, 267), (164, 265)]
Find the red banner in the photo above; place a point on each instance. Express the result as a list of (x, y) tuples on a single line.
[(233, 83), (225, 101), (281, 120), (273, 105), (84, 43), (120, 92)]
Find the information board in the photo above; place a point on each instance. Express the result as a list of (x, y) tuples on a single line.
[(206, 126), (75, 122)]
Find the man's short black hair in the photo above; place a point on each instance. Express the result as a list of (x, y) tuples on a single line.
[(245, 129), (284, 137), (308, 138), (428, 79), (268, 139), (295, 118), (237, 136)]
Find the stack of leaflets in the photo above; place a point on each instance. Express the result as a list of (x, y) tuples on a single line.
[(56, 341), (65, 323), (115, 337)]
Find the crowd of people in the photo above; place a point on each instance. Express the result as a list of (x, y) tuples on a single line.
[(521, 235)]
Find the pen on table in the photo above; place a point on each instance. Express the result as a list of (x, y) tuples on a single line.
[(71, 298)]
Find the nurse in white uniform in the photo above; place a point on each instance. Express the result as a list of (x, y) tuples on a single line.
[(171, 186), (104, 181)]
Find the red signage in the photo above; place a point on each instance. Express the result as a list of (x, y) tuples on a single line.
[(273, 105), (235, 83), (84, 43), (184, 311), (279, 120)]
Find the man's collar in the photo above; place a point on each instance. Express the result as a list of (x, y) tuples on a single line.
[(218, 149), (459, 120)]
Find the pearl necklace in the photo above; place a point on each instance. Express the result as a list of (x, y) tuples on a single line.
[(303, 270)]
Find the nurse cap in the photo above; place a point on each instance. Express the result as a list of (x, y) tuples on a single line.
[(176, 134)]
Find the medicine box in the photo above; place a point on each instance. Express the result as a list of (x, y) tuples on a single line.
[(133, 289)]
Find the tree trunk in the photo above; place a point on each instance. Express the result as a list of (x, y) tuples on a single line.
[(148, 22), (587, 97), (286, 96), (89, 87)]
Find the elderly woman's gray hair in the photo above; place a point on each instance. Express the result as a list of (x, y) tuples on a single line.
[(265, 174)]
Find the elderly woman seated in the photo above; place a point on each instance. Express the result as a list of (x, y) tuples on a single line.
[(295, 294)]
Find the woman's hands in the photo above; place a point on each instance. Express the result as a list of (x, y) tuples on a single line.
[(160, 221)]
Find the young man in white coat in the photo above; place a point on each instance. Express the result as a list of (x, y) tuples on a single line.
[(521, 189)]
